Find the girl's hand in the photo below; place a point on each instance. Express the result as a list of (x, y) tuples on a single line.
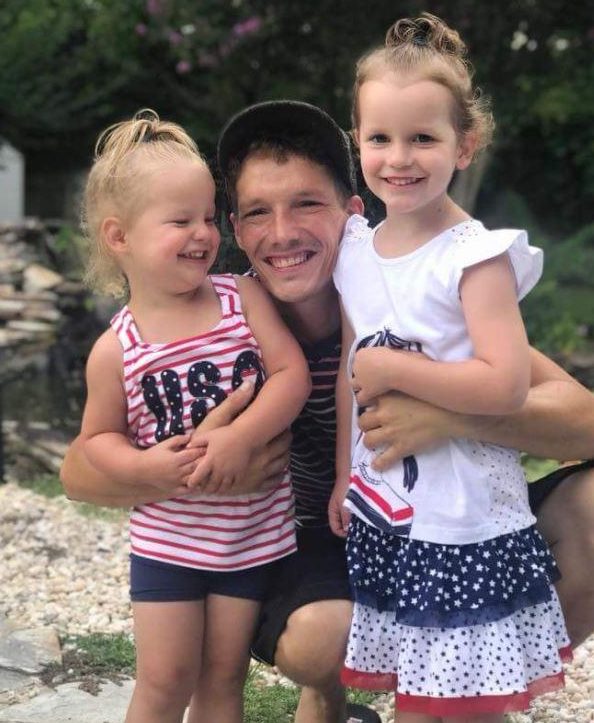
[(226, 460), (374, 370), (339, 516), (169, 464)]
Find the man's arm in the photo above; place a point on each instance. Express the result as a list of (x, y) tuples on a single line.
[(556, 421), (84, 483)]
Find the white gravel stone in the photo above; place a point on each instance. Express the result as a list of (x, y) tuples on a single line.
[(61, 567), (71, 571)]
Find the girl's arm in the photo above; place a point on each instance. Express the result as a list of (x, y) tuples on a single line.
[(283, 394), (556, 421), (338, 515), (104, 428), (494, 381), (85, 483)]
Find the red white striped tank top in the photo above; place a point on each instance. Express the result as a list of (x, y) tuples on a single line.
[(169, 389)]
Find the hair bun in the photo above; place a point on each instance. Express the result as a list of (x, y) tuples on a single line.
[(425, 31)]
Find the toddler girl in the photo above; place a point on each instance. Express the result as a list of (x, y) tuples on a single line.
[(455, 608), (200, 563)]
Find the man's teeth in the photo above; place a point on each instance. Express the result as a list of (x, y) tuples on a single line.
[(284, 262)]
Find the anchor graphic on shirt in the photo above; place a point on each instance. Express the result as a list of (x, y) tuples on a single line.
[(385, 337), (396, 513)]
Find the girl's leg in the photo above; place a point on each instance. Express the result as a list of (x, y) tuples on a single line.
[(168, 638), (229, 628)]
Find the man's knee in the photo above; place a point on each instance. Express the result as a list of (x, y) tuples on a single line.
[(566, 516), (312, 648)]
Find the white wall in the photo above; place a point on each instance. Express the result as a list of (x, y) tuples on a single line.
[(12, 183)]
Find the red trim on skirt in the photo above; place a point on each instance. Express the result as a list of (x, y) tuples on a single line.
[(453, 706)]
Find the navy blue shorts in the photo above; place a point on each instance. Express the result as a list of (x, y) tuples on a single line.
[(156, 581), (540, 489), (317, 571)]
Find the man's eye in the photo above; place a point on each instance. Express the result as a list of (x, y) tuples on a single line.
[(253, 212), (306, 203)]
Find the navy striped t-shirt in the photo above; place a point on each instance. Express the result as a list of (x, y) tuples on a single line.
[(314, 436)]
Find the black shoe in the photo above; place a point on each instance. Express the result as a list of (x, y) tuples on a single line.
[(361, 714)]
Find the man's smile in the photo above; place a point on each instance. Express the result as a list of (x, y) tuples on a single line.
[(285, 262)]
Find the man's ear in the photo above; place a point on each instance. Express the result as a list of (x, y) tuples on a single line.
[(113, 235), (236, 229), (355, 205), (466, 150)]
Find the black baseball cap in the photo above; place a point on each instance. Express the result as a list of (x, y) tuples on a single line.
[(286, 119)]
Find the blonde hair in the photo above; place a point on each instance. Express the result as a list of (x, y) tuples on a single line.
[(428, 47), (124, 154)]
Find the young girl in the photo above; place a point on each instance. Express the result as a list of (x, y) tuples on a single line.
[(454, 603), (200, 563)]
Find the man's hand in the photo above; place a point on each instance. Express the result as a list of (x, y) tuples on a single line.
[(401, 425), (226, 459), (266, 465), (339, 516), (168, 465)]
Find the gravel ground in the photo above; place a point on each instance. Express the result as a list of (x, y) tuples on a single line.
[(70, 571)]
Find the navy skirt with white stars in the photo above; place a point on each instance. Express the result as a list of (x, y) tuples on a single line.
[(454, 629)]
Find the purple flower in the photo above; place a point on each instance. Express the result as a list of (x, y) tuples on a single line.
[(247, 27), (141, 29), (174, 37), (183, 67), (154, 7)]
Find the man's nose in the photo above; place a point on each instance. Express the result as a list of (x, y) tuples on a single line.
[(283, 226)]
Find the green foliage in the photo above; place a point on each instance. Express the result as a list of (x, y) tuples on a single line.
[(535, 468), (559, 311), (266, 703), (70, 249), (47, 485), (551, 327), (103, 653), (69, 67)]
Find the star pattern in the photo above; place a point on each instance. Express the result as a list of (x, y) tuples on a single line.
[(454, 620)]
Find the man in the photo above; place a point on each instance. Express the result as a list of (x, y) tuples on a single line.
[(290, 179)]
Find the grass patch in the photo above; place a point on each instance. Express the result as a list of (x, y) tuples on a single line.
[(49, 485), (266, 703), (105, 653), (535, 468), (93, 659)]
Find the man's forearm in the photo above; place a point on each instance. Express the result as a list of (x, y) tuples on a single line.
[(557, 421), (84, 483)]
